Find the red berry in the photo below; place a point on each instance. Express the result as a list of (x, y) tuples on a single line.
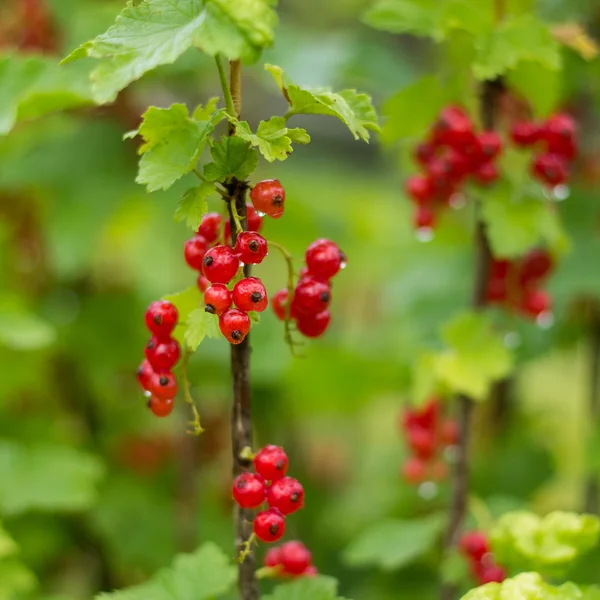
[(279, 303), (161, 318), (550, 168), (439, 173), (268, 197), (535, 266), (490, 574), (311, 297), (250, 294), (425, 416), (424, 218), (273, 557), (271, 462), (269, 525), (420, 189), (220, 264), (161, 407), (414, 470), (474, 544), (525, 133), (422, 442), (255, 221), (143, 374), (457, 165), (311, 571), (314, 326), (449, 433), (324, 259), (234, 325), (536, 302), (286, 494), (490, 144), (295, 558), (194, 251), (251, 247), (249, 490), (202, 283), (163, 385), (162, 354), (560, 132), (217, 299), (486, 174), (454, 128), (424, 152), (209, 227)]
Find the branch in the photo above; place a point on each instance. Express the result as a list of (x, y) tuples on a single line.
[(592, 491)]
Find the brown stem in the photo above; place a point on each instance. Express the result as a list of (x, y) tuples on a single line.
[(241, 419), (592, 490)]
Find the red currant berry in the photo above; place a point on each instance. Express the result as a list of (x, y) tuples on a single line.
[(311, 571), (457, 165), (474, 544), (491, 574), (314, 326), (251, 247), (439, 175), (163, 385), (194, 251), (454, 128), (295, 558), (286, 494), (525, 133), (279, 303), (449, 433), (234, 325), (420, 189), (268, 197), (422, 442), (550, 168), (255, 221), (560, 132), (217, 299), (144, 374), (269, 525), (490, 144), (209, 227), (202, 283), (424, 218), (536, 302), (273, 557), (271, 462), (311, 297), (414, 470), (324, 259), (426, 416), (486, 174), (424, 152), (162, 354), (249, 490), (250, 294), (161, 407), (161, 318), (536, 265), (220, 264)]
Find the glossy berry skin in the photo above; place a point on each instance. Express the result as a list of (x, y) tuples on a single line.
[(271, 462), (234, 325), (486, 174), (324, 259), (268, 197), (490, 145), (426, 416), (525, 134), (162, 354), (161, 318), (454, 128), (423, 153), (194, 251), (424, 218), (161, 407), (251, 247), (536, 265), (144, 374), (311, 297), (414, 470), (286, 494), (273, 557), (220, 264), (420, 189), (422, 442), (163, 385), (295, 558), (217, 299), (250, 294), (475, 545), (491, 574), (550, 168), (536, 302), (269, 525), (279, 303), (314, 326), (209, 227), (560, 132), (202, 283), (249, 490)]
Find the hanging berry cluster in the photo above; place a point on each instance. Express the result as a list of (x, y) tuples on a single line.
[(475, 548), (452, 153), (292, 559), (162, 353), (555, 141), (427, 435), (515, 284), (284, 495)]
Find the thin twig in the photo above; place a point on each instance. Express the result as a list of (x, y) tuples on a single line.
[(592, 491)]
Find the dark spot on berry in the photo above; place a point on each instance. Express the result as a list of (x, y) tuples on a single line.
[(236, 334), (253, 246), (295, 497), (151, 345), (163, 380), (157, 319), (241, 484), (324, 297), (209, 308), (274, 529), (208, 260), (149, 403), (256, 297), (277, 200), (343, 257), (140, 370), (279, 465)]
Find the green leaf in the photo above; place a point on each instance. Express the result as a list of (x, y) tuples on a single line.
[(391, 544), (50, 478), (254, 316), (158, 32), (353, 109), (273, 138), (16, 580), (233, 157), (549, 544), (173, 142), (186, 302), (21, 329), (306, 588), (455, 569), (203, 575), (516, 39), (193, 206), (201, 324), (33, 86), (7, 544), (476, 356), (540, 86), (424, 380)]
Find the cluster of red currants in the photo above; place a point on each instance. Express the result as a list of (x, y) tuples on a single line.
[(312, 295), (475, 547), (162, 353), (453, 152), (556, 138), (292, 559), (428, 434), (515, 284), (284, 495)]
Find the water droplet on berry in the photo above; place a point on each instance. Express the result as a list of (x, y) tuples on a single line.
[(561, 192), (457, 201), (428, 490), (343, 264), (545, 320), (260, 214), (424, 234), (512, 339), (147, 394)]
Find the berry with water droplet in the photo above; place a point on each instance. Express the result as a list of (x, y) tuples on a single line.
[(268, 197)]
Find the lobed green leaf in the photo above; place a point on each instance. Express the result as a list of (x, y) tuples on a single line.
[(306, 588), (232, 157), (201, 324), (193, 206)]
